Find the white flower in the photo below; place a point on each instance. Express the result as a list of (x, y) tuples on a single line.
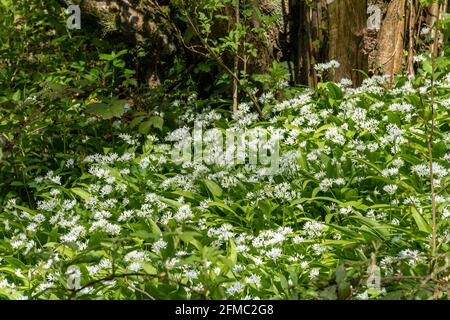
[(257, 260), (298, 239), (346, 210), (126, 215), (253, 279), (390, 188), (424, 31), (325, 184), (346, 82), (236, 287), (314, 229), (144, 163), (313, 273), (128, 139), (421, 170), (183, 213), (363, 295), (75, 233), (321, 67), (238, 268), (105, 226), (404, 107), (158, 246), (334, 135), (191, 274), (55, 179), (413, 257), (274, 253), (70, 163), (318, 249), (398, 163), (223, 233), (389, 172)]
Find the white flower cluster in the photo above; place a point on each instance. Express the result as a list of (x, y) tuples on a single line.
[(322, 67)]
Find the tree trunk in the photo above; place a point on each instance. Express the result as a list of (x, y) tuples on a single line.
[(300, 38), (347, 23), (392, 37), (323, 30)]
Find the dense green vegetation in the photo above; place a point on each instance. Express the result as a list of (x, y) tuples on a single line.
[(93, 204)]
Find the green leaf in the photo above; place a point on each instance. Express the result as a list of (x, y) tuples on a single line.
[(341, 273), (232, 252), (81, 193), (379, 229), (136, 121), (108, 111), (149, 269), (334, 91), (213, 188), (106, 57), (15, 262), (145, 127), (420, 221), (155, 122), (24, 209)]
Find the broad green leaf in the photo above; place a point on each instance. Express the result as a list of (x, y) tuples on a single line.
[(213, 188), (420, 221)]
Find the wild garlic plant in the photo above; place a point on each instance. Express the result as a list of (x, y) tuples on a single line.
[(352, 191)]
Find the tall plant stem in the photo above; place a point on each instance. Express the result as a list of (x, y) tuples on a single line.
[(236, 59), (434, 51)]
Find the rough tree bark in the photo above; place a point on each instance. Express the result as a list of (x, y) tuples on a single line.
[(322, 30), (345, 34), (347, 22), (392, 37)]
